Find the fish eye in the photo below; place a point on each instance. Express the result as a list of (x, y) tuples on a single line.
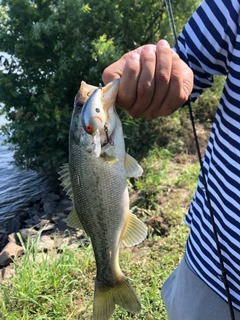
[(97, 110)]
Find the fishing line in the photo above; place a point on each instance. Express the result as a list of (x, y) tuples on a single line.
[(224, 274)]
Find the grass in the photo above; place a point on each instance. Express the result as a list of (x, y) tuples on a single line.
[(59, 285)]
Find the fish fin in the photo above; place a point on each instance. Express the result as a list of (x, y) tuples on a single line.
[(110, 93), (132, 168), (110, 159), (66, 180), (85, 91), (105, 299), (134, 232), (73, 220)]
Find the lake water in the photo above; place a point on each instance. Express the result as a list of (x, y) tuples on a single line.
[(17, 187)]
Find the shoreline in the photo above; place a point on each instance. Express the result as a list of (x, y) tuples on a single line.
[(46, 216)]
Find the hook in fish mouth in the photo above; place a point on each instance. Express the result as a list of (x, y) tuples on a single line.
[(109, 140)]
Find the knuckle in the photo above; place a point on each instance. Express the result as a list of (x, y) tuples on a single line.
[(144, 88), (162, 77)]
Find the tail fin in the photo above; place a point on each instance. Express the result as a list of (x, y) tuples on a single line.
[(105, 299)]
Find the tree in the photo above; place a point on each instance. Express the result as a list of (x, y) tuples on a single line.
[(53, 45)]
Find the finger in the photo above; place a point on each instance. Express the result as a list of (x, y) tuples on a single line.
[(115, 70), (180, 86), (162, 76), (127, 91), (145, 85)]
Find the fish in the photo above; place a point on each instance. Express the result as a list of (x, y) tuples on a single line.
[(96, 181)]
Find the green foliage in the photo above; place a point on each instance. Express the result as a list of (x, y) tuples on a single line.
[(52, 49), (182, 10), (170, 133), (155, 171), (52, 46), (206, 105)]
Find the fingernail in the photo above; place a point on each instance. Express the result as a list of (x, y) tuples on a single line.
[(163, 43)]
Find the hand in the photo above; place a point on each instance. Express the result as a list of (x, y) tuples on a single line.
[(154, 81)]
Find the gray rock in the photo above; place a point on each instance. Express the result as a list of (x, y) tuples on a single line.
[(49, 208), (46, 243), (7, 272), (62, 215), (27, 232), (29, 221), (45, 225), (50, 197), (36, 218), (64, 220), (14, 225), (68, 210), (9, 252)]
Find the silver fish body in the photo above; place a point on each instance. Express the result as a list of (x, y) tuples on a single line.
[(95, 179)]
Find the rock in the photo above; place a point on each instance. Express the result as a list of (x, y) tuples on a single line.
[(3, 239), (27, 232), (23, 216), (68, 210), (62, 215), (46, 243), (29, 222), (13, 226), (62, 224), (12, 238), (56, 219), (10, 251), (64, 220), (50, 197), (49, 207), (36, 218), (7, 272), (45, 225)]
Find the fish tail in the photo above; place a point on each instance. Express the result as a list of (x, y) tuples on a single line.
[(105, 299)]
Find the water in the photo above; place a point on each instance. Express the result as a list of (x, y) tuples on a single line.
[(17, 187)]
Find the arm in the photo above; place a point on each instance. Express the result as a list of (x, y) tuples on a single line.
[(206, 43)]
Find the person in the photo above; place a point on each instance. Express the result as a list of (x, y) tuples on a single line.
[(156, 81)]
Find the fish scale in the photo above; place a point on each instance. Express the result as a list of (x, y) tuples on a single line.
[(95, 200)]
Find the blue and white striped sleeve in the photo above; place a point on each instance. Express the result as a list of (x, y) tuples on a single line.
[(207, 41)]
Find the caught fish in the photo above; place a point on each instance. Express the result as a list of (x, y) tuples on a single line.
[(96, 181)]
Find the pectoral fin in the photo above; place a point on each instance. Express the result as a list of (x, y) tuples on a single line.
[(135, 231), (132, 168)]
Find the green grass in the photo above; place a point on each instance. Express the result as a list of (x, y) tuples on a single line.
[(60, 285)]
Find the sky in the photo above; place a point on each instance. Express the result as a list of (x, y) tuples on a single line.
[(2, 120)]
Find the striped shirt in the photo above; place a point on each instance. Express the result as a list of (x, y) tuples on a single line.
[(210, 45)]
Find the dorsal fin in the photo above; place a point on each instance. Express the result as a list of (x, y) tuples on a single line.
[(66, 180)]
